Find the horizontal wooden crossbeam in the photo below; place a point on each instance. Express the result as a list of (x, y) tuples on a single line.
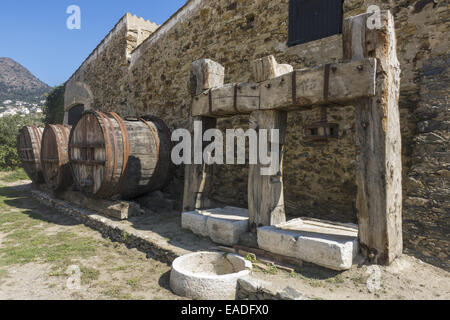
[(325, 85)]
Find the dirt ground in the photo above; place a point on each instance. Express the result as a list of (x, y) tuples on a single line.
[(38, 245), (406, 279)]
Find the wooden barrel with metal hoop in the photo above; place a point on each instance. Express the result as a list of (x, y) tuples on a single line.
[(55, 157), (111, 156), (29, 151)]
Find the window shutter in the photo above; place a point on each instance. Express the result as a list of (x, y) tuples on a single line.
[(311, 20)]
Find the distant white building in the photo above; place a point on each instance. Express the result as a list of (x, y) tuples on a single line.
[(6, 102)]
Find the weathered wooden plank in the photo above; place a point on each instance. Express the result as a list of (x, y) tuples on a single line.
[(268, 68), (334, 84), (379, 166), (235, 98), (205, 74), (198, 177), (201, 105), (277, 92), (265, 192)]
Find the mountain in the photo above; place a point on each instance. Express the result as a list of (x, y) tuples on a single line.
[(19, 84)]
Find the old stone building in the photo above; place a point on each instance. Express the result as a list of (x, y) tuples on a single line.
[(142, 68)]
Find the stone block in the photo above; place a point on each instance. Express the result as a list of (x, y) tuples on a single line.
[(120, 210), (290, 294), (195, 222), (222, 225), (330, 245)]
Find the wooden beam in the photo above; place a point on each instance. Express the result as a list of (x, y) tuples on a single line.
[(198, 178), (268, 68), (205, 74), (379, 165), (265, 192), (330, 84), (339, 83)]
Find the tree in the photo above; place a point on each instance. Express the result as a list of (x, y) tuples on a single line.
[(54, 106)]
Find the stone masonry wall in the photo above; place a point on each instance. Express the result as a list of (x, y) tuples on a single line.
[(319, 176)]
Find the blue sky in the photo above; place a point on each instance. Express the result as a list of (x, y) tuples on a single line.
[(34, 33)]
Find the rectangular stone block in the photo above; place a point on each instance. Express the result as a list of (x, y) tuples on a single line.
[(333, 246), (195, 222), (221, 225), (120, 210)]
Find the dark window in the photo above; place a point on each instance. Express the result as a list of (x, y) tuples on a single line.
[(311, 20), (75, 113)]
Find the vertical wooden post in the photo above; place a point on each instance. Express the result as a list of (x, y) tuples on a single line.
[(379, 166), (204, 75), (265, 192)]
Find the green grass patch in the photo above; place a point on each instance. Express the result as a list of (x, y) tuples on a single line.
[(89, 275), (336, 280), (120, 268), (315, 283), (125, 236), (3, 273), (17, 175), (17, 223), (270, 269), (33, 245), (116, 293), (133, 283), (250, 258)]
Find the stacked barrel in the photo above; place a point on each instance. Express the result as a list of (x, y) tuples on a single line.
[(103, 155)]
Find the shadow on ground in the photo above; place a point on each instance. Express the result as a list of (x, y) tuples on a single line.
[(19, 197)]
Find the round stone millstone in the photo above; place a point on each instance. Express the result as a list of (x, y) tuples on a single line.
[(208, 275)]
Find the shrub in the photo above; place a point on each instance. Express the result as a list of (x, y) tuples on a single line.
[(54, 106)]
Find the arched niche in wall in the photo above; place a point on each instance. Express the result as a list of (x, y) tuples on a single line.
[(74, 114)]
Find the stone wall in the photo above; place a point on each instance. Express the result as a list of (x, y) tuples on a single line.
[(319, 176)]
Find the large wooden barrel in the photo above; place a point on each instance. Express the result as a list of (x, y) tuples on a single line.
[(29, 151), (111, 156), (55, 157)]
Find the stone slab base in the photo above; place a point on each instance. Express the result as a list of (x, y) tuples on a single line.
[(221, 225), (330, 245), (120, 210)]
